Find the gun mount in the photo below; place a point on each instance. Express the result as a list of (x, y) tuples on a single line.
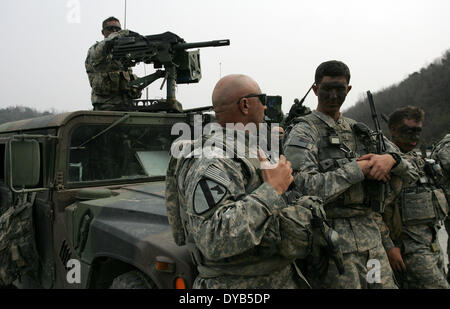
[(166, 50)]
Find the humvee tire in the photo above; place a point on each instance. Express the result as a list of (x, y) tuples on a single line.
[(132, 280)]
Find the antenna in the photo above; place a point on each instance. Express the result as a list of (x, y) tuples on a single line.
[(220, 70), (146, 88), (125, 19)]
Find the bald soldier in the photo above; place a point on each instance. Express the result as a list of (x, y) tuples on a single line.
[(229, 210)]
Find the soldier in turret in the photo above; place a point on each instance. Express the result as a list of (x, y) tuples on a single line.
[(107, 77)]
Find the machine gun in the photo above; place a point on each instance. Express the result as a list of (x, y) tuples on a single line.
[(166, 50), (377, 190)]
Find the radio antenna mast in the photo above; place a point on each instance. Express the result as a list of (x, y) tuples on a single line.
[(125, 19)]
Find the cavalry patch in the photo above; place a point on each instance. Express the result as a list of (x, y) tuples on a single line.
[(207, 195)]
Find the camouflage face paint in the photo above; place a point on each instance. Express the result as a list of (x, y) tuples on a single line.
[(332, 93), (411, 133), (407, 137)]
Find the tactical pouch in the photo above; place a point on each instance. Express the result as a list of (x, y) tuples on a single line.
[(18, 254), (172, 204), (105, 83), (114, 82), (393, 219), (417, 207), (441, 204), (295, 226), (354, 195), (295, 232)]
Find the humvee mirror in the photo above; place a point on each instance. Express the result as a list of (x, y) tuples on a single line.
[(22, 163)]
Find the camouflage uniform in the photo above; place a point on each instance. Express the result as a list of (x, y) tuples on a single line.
[(441, 154), (233, 222), (108, 78), (413, 217), (323, 154)]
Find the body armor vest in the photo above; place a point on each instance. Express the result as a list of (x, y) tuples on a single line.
[(337, 146), (423, 202), (108, 77)]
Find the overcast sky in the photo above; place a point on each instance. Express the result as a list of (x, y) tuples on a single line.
[(278, 43)]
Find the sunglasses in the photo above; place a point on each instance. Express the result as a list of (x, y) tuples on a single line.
[(261, 96), (112, 28)]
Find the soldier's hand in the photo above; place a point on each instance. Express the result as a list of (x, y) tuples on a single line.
[(365, 166), (395, 259), (381, 166), (277, 175)]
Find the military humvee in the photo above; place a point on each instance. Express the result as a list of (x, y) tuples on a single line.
[(97, 180)]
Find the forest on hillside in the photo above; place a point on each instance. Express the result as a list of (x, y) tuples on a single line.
[(429, 89), (14, 113)]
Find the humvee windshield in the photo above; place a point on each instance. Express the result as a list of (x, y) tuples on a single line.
[(122, 152)]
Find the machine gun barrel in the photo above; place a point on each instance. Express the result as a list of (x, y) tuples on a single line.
[(214, 43)]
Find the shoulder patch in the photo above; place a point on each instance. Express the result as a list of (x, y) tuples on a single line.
[(299, 142), (217, 175), (207, 195)]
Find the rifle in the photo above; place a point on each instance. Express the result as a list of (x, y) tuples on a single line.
[(166, 50), (377, 190), (297, 110)]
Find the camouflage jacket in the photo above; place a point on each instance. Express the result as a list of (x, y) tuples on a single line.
[(415, 208), (107, 77), (441, 154), (323, 154), (233, 218)]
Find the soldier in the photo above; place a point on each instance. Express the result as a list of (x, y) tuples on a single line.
[(414, 214), (441, 154), (228, 210), (107, 77), (331, 157)]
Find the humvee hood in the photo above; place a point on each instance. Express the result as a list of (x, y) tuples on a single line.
[(135, 204)]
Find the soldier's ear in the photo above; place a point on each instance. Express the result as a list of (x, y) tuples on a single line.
[(349, 87), (243, 106), (315, 88)]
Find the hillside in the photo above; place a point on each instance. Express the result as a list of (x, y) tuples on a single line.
[(19, 112), (428, 89)]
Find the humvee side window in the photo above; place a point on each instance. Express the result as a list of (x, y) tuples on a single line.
[(123, 152)]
